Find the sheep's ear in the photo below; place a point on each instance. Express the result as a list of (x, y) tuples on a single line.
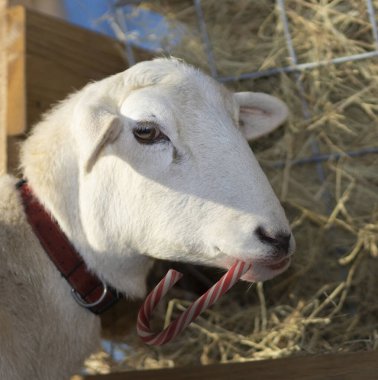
[(259, 113), (96, 126)]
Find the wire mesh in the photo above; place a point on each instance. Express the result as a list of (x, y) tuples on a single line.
[(121, 28), (295, 68)]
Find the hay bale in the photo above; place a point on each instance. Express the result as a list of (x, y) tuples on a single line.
[(326, 302)]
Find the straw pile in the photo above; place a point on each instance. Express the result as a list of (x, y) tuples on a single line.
[(327, 300)]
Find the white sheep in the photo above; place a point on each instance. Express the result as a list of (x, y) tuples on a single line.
[(148, 163)]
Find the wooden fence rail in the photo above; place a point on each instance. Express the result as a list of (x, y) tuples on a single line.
[(44, 59), (351, 366)]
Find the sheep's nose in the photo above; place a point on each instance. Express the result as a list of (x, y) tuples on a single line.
[(281, 241)]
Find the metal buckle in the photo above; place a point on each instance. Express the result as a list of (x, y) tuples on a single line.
[(76, 296), (20, 183)]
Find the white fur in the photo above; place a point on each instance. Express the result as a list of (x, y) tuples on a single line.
[(197, 198)]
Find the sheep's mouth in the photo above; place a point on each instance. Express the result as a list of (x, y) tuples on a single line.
[(261, 270), (278, 264)]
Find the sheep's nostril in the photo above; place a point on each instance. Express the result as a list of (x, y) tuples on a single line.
[(280, 241)]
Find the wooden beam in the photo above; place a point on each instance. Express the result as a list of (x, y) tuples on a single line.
[(3, 87), (49, 58), (16, 105), (351, 366)]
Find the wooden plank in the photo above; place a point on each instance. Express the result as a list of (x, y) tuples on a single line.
[(53, 58), (16, 105), (3, 87), (351, 366), (57, 59), (62, 58), (48, 59), (51, 7)]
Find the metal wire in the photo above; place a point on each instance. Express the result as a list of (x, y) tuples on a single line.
[(295, 68), (327, 157), (205, 38), (123, 37), (298, 67), (293, 57), (371, 13), (305, 107)]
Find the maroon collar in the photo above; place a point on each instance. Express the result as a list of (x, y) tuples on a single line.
[(87, 289)]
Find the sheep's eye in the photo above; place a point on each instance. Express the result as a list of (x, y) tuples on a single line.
[(148, 133)]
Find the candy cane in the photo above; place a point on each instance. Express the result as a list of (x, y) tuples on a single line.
[(191, 313)]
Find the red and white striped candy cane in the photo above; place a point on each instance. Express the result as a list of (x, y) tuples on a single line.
[(191, 313)]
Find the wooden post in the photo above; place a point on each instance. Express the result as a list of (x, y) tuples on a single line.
[(3, 88), (351, 366)]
